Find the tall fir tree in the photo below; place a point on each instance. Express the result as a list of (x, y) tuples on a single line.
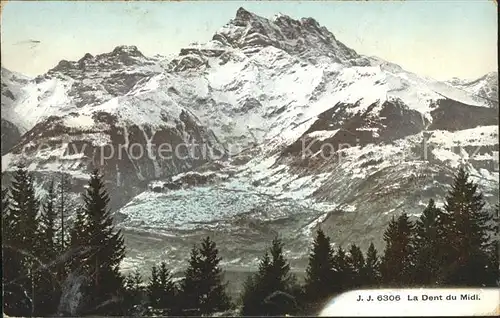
[(134, 292), (24, 209), (342, 272), (65, 208), (430, 246), (168, 290), (190, 282), (356, 262), (398, 259), (23, 217), (470, 260), (202, 288), (254, 289), (273, 278), (48, 228), (372, 267), (47, 284), (15, 300), (154, 288), (11, 258), (279, 275), (77, 249), (106, 245), (319, 272)]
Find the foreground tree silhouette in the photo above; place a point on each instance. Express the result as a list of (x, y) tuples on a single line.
[(319, 272), (94, 229), (77, 245), (154, 288), (47, 283), (21, 245), (470, 259), (342, 272), (253, 288), (162, 291), (65, 207), (15, 301), (63, 210), (202, 289), (429, 245), (133, 292), (372, 267), (398, 259), (265, 292), (356, 262), (168, 289)]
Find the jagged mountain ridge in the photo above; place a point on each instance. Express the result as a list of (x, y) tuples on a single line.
[(79, 110), (304, 37), (485, 87), (256, 91)]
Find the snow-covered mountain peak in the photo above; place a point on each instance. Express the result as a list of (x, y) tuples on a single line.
[(484, 88), (243, 16), (8, 75), (305, 37), (491, 76), (120, 59), (11, 86), (130, 50)]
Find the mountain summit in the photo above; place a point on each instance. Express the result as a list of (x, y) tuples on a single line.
[(305, 37)]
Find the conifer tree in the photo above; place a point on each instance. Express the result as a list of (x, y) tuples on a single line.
[(470, 260), (23, 217), (78, 248), (168, 289), (133, 282), (48, 230), (24, 211), (356, 263), (106, 244), (273, 278), (319, 272), (12, 266), (154, 288), (190, 283), (429, 245), (342, 272), (254, 289), (398, 259), (64, 208), (47, 285), (372, 267), (134, 291), (280, 277), (202, 288)]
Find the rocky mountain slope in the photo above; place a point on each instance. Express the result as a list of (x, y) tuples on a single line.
[(11, 93), (105, 112), (293, 129), (483, 88)]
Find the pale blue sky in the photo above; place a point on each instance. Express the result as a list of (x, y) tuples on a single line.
[(440, 39)]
